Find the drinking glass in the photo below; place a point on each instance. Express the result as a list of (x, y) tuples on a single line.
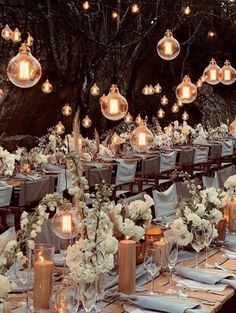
[(172, 254), (198, 242), (100, 291), (153, 262), (208, 236), (88, 294)]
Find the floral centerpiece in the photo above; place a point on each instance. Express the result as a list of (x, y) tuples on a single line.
[(7, 162), (230, 185), (218, 132)]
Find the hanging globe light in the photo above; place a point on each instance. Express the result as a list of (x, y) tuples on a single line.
[(150, 90), (232, 128), (138, 119), (164, 100), (6, 33), (168, 47), (212, 73), (157, 88), (145, 90), (66, 109), (180, 103), (114, 106), (64, 225), (46, 86), (175, 108), (115, 139), (186, 92), (59, 128), (141, 138), (16, 35), (86, 122), (86, 5), (24, 70), (134, 8), (29, 40), (199, 83), (228, 74), (128, 118), (94, 90), (160, 113), (185, 116)]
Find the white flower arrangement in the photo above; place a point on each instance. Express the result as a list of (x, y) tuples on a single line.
[(230, 185), (7, 162)]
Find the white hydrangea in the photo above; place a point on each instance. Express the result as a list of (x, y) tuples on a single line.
[(5, 286)]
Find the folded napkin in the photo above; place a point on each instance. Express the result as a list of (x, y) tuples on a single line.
[(185, 256), (231, 245), (164, 304), (208, 277), (230, 254)]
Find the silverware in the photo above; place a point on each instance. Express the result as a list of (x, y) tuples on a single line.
[(219, 293)]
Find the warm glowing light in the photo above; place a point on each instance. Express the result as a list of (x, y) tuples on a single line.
[(66, 223), (59, 128), (46, 87), (157, 88), (150, 90), (128, 118), (145, 90), (94, 90), (66, 109), (212, 73), (186, 92), (164, 100), (24, 70), (228, 74), (141, 138), (187, 10), (211, 34), (168, 47), (115, 139), (86, 122), (29, 40), (134, 8), (138, 120), (114, 14), (199, 83), (232, 128), (6, 33), (185, 116), (160, 113), (114, 106), (16, 35), (175, 108), (85, 5)]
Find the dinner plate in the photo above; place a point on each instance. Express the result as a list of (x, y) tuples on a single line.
[(130, 308)]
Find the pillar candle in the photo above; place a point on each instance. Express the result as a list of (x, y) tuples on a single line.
[(232, 216), (43, 280), (163, 245), (127, 266), (152, 235)]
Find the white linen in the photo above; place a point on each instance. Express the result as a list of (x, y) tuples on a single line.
[(125, 173), (227, 147), (200, 154), (210, 182), (164, 202), (168, 161)]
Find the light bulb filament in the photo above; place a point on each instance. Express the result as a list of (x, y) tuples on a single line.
[(24, 70), (66, 224), (114, 106)]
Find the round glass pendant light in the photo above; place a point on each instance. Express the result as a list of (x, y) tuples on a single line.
[(141, 138), (114, 106), (64, 225), (16, 35), (232, 128), (199, 83), (185, 116), (134, 8), (175, 108), (161, 113), (128, 118), (24, 70), (145, 90), (164, 100), (168, 47), (157, 88), (59, 128), (6, 33), (94, 90), (212, 73), (86, 122), (46, 87), (138, 119), (186, 92), (66, 109), (29, 40), (86, 5), (228, 74)]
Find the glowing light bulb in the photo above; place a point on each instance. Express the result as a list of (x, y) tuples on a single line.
[(115, 139), (46, 87), (138, 119), (185, 116), (66, 109), (29, 40), (180, 103), (164, 100), (85, 5), (94, 90), (187, 10), (150, 90), (199, 83), (160, 113), (212, 73), (232, 128), (115, 14), (128, 118), (141, 138), (168, 47), (145, 90), (59, 128), (211, 34), (16, 35), (157, 88), (6, 33), (175, 108), (114, 106), (228, 74), (66, 223), (86, 122), (134, 8), (186, 92)]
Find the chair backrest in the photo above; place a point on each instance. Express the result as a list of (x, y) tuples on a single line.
[(201, 154), (224, 174), (125, 173), (165, 202), (168, 161), (5, 195), (150, 166), (215, 151), (227, 147), (97, 175), (210, 182), (138, 196), (186, 156)]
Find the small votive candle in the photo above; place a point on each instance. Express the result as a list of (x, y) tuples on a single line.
[(152, 235), (140, 253), (221, 228)]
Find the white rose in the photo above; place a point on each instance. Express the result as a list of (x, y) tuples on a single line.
[(110, 245), (185, 238), (5, 286), (200, 209), (31, 244), (178, 226), (215, 215), (33, 234), (195, 219), (11, 245)]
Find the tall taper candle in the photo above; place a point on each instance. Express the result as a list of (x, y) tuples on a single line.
[(127, 266)]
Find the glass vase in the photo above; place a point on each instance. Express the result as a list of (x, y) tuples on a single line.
[(88, 294)]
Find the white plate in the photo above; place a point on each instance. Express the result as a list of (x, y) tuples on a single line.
[(130, 308)]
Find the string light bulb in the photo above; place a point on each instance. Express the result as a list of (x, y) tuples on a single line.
[(86, 5), (186, 91), (187, 10), (211, 34), (94, 90), (141, 138), (232, 128), (114, 106), (185, 116), (228, 74), (175, 108), (59, 128), (16, 35), (138, 119), (212, 73), (161, 113), (86, 122), (47, 87), (114, 14), (66, 109), (157, 88), (164, 100), (24, 70), (115, 139), (145, 90), (64, 224), (199, 83), (180, 103), (128, 118), (150, 90), (168, 47), (134, 8), (29, 40), (6, 33)]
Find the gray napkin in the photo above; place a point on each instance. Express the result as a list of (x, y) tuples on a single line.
[(207, 277), (231, 245), (163, 304), (185, 256)]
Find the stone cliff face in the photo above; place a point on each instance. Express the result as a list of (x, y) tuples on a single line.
[(77, 48)]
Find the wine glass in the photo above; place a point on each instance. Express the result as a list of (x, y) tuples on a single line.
[(172, 254), (208, 236), (63, 245), (153, 262), (198, 242), (100, 291), (88, 294)]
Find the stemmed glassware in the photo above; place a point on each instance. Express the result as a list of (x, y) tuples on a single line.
[(208, 236), (88, 294), (172, 255), (153, 262), (198, 242)]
